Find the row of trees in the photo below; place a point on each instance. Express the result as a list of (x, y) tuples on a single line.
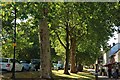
[(74, 31)]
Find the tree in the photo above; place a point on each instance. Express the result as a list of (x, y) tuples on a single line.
[(45, 50), (99, 28), (65, 27), (44, 36), (27, 44), (85, 24), (23, 15)]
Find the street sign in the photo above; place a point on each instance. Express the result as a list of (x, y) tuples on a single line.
[(14, 44)]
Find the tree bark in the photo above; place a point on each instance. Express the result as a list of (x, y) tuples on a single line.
[(67, 51), (72, 55), (45, 50)]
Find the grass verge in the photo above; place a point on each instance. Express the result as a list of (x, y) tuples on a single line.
[(57, 75)]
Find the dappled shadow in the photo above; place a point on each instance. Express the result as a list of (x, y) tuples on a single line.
[(72, 76), (86, 75)]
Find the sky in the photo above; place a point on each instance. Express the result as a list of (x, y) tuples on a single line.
[(114, 39)]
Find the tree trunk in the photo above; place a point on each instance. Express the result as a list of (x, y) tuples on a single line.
[(67, 51), (72, 55), (45, 50)]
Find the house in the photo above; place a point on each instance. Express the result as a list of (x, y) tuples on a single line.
[(115, 50), (113, 55)]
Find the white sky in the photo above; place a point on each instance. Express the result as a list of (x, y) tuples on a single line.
[(114, 39)]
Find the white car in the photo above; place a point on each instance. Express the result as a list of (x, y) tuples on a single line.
[(26, 65), (7, 64), (57, 66)]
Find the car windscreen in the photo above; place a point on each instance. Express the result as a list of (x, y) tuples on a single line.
[(3, 60), (12, 60), (24, 62)]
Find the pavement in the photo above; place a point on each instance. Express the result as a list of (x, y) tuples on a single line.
[(106, 78), (92, 71)]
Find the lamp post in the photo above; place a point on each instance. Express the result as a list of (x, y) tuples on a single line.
[(14, 44)]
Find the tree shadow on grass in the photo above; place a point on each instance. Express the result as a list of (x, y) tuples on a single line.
[(87, 75), (62, 78), (78, 76)]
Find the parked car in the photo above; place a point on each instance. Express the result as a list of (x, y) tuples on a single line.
[(7, 64), (57, 66), (35, 64), (54, 65), (26, 65)]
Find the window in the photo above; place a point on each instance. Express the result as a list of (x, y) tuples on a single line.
[(3, 60)]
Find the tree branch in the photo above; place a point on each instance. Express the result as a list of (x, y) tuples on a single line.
[(61, 27), (60, 40), (73, 27)]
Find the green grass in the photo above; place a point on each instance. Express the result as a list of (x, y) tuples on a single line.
[(34, 74), (57, 75), (79, 75)]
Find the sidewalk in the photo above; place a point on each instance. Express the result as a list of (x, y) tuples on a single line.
[(106, 78), (92, 71)]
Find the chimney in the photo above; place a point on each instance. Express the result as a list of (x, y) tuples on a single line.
[(113, 44), (109, 46)]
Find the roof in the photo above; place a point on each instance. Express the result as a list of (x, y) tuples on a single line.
[(114, 49)]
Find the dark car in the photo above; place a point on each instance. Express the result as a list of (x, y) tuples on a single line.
[(35, 64)]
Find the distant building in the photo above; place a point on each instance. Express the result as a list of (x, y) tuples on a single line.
[(115, 50)]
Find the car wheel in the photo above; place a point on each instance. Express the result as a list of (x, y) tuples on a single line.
[(22, 69), (12, 70), (29, 69)]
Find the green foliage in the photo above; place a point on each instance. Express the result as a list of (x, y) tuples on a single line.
[(27, 34), (91, 23)]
